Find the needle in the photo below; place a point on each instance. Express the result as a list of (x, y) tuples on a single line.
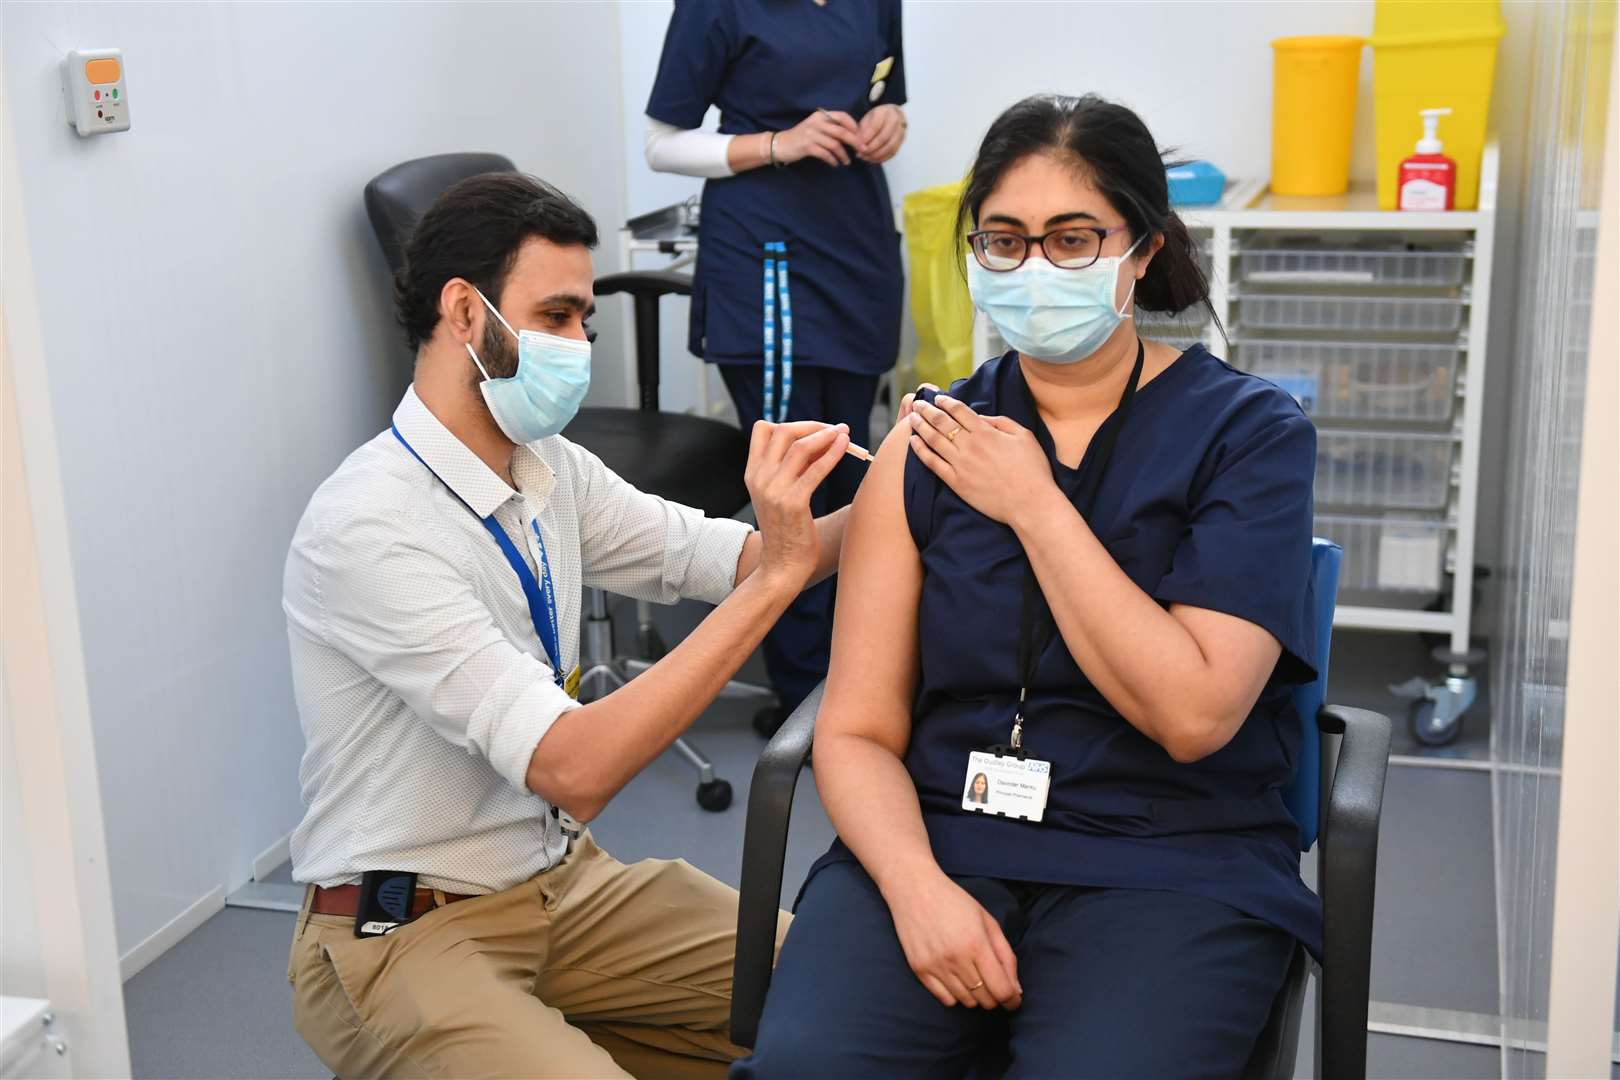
[(859, 452)]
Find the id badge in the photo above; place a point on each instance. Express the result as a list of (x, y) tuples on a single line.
[(1006, 785)]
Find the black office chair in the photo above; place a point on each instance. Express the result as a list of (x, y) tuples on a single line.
[(1339, 783), (686, 459)]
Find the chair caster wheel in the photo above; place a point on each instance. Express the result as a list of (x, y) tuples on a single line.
[(714, 795)]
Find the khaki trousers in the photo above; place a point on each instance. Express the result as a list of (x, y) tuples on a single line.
[(591, 969)]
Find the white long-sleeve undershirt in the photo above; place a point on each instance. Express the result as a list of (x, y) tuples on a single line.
[(689, 152)]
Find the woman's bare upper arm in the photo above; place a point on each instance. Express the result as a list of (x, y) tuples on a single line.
[(873, 674), (1239, 654)]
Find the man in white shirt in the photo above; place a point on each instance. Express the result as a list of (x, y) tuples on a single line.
[(432, 596)]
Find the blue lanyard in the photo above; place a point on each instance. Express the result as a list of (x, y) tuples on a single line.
[(546, 600), (776, 281)]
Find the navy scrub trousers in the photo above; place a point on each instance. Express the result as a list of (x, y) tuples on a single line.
[(767, 66), (1118, 984)]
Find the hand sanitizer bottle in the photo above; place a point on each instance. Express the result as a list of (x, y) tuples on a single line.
[(1428, 178)]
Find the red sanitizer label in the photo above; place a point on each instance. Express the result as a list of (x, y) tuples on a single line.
[(1425, 187)]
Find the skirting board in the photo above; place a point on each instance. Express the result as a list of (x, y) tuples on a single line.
[(272, 857), (172, 933), (1446, 1025)]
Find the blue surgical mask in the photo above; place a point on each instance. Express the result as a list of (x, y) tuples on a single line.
[(1048, 313), (552, 376)]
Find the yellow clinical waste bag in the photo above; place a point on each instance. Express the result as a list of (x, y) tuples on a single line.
[(940, 307)]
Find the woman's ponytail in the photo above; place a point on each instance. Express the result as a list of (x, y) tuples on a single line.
[(1175, 281)]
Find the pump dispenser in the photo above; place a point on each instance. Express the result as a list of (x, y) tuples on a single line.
[(1428, 179)]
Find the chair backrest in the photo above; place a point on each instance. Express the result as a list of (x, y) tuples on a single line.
[(396, 199), (1304, 794)]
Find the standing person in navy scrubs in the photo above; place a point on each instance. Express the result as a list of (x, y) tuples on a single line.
[(1084, 572), (797, 291)]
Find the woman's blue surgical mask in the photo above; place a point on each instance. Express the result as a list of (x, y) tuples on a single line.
[(1048, 313), (552, 376)]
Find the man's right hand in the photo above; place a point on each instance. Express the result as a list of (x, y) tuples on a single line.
[(786, 463)]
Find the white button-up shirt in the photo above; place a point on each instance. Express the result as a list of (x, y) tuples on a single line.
[(421, 684)]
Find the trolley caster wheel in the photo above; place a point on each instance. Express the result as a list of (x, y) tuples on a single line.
[(1431, 728), (714, 795)]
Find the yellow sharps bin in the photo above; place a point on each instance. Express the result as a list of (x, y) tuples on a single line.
[(1313, 113), (1432, 54)]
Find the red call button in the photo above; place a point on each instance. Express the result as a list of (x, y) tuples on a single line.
[(98, 95)]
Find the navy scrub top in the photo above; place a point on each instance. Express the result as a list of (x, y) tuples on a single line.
[(1207, 502), (768, 64)]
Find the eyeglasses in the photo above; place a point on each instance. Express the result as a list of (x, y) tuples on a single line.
[(1073, 248)]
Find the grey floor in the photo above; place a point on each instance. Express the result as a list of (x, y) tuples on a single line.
[(217, 1005)]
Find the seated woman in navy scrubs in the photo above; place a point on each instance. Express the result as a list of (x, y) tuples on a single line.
[(1096, 550)]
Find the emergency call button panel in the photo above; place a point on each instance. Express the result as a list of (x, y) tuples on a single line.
[(94, 89)]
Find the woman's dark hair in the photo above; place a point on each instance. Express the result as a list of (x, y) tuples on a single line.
[(474, 231), (1112, 146)]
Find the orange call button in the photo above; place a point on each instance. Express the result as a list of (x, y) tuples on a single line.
[(105, 70)]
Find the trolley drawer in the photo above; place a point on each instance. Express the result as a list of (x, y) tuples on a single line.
[(1361, 314), (1307, 265), (1344, 380), (1403, 470), (1389, 553)]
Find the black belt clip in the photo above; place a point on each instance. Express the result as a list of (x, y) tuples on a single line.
[(386, 898)]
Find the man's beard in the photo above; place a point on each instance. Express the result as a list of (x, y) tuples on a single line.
[(497, 352)]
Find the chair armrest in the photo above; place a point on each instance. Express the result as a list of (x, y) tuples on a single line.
[(654, 283), (1347, 877), (770, 804)]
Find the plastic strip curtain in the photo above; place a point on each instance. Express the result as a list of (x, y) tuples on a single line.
[(1556, 265)]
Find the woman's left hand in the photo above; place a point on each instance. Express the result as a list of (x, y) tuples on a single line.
[(993, 463), (882, 130)]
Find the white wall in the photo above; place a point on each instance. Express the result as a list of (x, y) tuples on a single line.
[(1199, 74), (641, 40), (218, 335)]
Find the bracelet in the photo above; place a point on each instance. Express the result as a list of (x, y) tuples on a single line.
[(774, 162), (766, 158)]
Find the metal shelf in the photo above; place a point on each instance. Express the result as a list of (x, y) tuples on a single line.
[(1377, 618)]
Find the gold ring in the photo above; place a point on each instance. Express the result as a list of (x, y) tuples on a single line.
[(951, 435), (976, 985)]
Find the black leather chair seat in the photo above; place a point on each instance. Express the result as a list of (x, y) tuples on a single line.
[(686, 459)]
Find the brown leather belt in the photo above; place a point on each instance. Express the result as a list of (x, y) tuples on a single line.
[(345, 900)]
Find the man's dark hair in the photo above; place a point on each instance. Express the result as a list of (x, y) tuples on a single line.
[(474, 231)]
